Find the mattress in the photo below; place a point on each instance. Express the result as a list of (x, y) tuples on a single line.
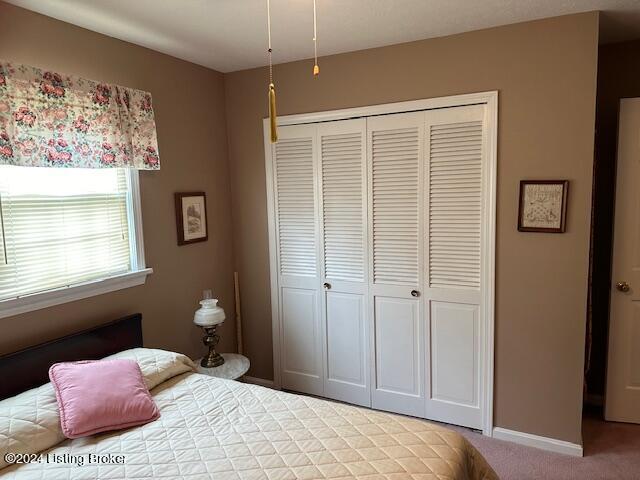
[(223, 429)]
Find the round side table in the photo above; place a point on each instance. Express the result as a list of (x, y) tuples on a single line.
[(234, 367)]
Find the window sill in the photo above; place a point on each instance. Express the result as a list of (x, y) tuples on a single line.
[(37, 301)]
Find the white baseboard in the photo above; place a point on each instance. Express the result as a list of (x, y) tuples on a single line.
[(544, 443), (259, 381)]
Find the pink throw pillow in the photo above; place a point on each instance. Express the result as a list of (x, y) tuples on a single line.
[(101, 395)]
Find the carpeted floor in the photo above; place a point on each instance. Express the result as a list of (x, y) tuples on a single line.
[(611, 452)]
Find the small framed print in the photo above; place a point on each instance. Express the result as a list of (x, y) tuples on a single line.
[(191, 217), (543, 206)]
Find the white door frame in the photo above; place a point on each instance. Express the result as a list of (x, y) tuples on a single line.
[(490, 99)]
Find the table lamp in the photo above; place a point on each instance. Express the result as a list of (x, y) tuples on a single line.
[(209, 316)]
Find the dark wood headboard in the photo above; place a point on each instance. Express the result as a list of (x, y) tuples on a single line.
[(29, 368)]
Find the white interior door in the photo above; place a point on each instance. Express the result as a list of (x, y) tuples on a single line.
[(343, 187), (395, 150), (455, 152), (297, 230), (622, 402)]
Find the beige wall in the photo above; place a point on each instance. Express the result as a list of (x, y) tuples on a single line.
[(545, 72), (190, 118)]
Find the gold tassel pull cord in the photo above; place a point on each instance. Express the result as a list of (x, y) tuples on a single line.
[(316, 68), (272, 88)]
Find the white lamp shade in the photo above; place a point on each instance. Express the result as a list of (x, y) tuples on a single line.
[(209, 314)]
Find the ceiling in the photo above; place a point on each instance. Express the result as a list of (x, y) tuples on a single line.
[(229, 35)]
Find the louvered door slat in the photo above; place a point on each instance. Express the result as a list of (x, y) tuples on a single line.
[(395, 159), (295, 205), (343, 199), (455, 194)]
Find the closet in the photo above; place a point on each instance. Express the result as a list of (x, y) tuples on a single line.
[(382, 245)]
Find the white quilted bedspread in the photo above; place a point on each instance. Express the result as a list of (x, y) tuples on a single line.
[(222, 429)]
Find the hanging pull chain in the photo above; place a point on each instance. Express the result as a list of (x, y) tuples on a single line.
[(272, 88), (316, 68), (269, 50)]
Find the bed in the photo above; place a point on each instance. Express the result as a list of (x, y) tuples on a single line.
[(213, 428)]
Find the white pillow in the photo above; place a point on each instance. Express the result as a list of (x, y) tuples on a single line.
[(157, 365)]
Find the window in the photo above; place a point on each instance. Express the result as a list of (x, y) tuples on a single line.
[(67, 234)]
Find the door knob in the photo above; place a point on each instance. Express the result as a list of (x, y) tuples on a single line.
[(623, 286), (327, 286), (415, 293)]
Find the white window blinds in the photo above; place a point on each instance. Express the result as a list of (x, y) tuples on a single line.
[(62, 227)]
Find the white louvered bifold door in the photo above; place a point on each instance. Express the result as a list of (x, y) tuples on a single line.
[(297, 229), (380, 233), (343, 194), (395, 146), (455, 149)]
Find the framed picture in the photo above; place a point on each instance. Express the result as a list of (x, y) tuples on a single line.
[(191, 217), (543, 206)]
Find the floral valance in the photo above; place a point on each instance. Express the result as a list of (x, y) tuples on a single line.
[(52, 120)]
